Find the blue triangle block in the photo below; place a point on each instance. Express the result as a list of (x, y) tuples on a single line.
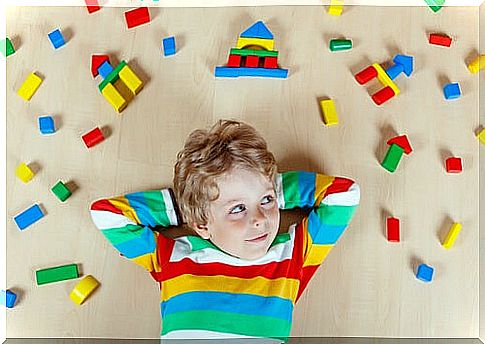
[(257, 30)]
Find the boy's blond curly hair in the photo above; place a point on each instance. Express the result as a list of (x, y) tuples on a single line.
[(208, 154)]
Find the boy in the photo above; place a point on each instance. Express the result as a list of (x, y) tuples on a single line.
[(235, 277)]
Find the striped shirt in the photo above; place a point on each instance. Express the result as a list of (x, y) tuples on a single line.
[(207, 293)]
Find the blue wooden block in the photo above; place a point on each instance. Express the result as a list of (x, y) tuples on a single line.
[(233, 72), (257, 30), (105, 69), (169, 46), (406, 61), (425, 273), (7, 298), (46, 125), (28, 217), (395, 70), (452, 91), (56, 38)]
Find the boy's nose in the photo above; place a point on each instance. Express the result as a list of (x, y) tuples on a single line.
[(258, 218)]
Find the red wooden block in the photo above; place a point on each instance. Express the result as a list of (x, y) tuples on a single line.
[(96, 61), (403, 142), (393, 229), (366, 75), (137, 17), (252, 61), (271, 62), (234, 61), (383, 95), (92, 138), (442, 40), (453, 165), (92, 6)]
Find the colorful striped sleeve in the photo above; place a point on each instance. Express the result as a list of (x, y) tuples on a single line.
[(127, 222), (332, 202)]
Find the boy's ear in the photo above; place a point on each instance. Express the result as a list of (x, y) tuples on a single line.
[(202, 230)]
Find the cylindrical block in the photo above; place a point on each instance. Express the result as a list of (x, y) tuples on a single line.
[(366, 75), (340, 44), (383, 95)]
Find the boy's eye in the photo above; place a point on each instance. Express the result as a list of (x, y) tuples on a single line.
[(237, 209), (267, 199)]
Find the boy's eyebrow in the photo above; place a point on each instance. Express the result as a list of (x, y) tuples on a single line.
[(238, 199)]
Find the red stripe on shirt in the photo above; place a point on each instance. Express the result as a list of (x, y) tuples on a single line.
[(105, 205)]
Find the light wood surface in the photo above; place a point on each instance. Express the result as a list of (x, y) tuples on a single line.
[(367, 285)]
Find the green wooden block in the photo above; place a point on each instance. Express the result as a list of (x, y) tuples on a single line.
[(435, 5), (6, 47), (340, 44), (61, 191), (56, 274), (392, 158), (113, 76), (246, 52)]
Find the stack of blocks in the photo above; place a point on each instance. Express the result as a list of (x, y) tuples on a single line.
[(245, 60), (100, 65), (398, 146)]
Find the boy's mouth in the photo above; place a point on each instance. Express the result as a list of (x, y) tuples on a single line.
[(259, 239)]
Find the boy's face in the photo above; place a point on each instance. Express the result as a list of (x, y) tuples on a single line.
[(244, 220)]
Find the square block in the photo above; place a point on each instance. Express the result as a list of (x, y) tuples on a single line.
[(46, 125), (234, 61), (452, 91), (425, 273), (61, 191), (252, 61), (169, 46), (24, 173), (105, 69), (56, 38), (454, 165), (270, 62), (7, 298)]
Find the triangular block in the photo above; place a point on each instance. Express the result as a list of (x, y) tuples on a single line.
[(257, 30), (403, 142), (96, 62)]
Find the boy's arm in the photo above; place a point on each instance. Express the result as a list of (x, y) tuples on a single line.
[(127, 222), (332, 200)]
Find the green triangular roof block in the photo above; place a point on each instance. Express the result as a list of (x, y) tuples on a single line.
[(257, 30), (6, 47)]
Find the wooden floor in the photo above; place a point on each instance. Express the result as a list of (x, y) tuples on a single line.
[(367, 285)]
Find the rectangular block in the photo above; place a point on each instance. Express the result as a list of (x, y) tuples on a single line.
[(30, 85), (229, 72), (24, 173), (56, 274), (260, 53), (114, 97), (130, 79), (137, 17), (481, 136), (28, 217), (56, 38), (328, 111), (252, 61), (340, 44), (93, 137), (270, 62), (169, 47), (476, 65), (92, 6), (441, 40), (392, 158), (336, 7), (452, 235), (393, 230), (385, 79), (46, 125), (234, 61)]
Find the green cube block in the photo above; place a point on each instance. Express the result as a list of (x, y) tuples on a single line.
[(61, 191), (392, 158), (56, 274), (340, 44), (6, 47)]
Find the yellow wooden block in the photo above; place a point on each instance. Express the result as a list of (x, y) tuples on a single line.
[(114, 97), (30, 85), (242, 42), (481, 136), (130, 79), (477, 64), (329, 112), (83, 289), (336, 7), (451, 236), (24, 173), (385, 79)]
